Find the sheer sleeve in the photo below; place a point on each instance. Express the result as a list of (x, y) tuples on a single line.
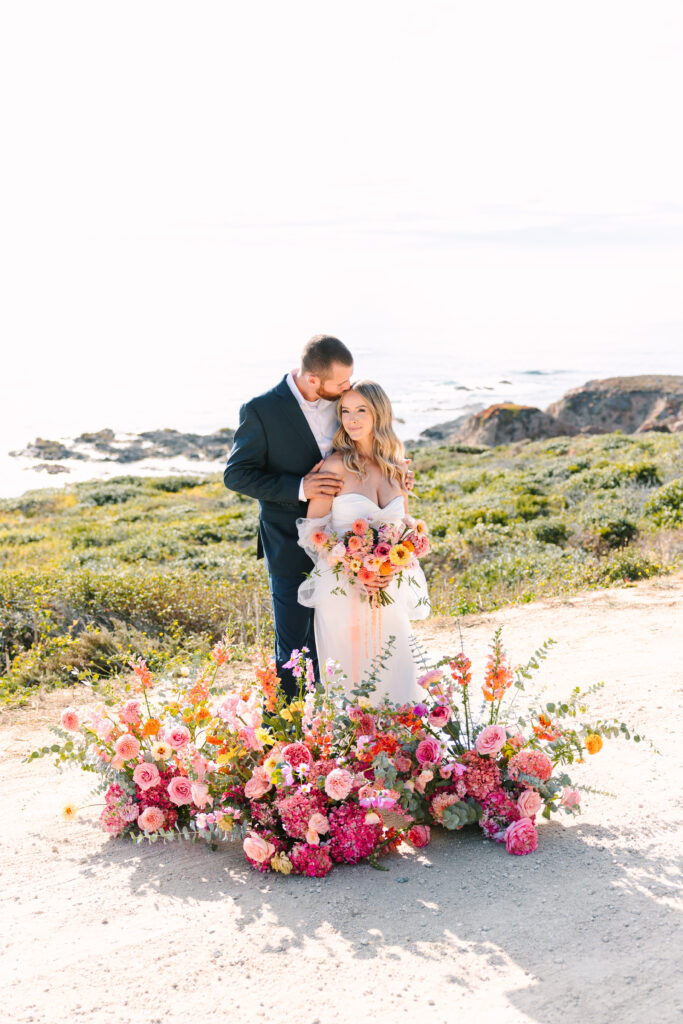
[(310, 588), (411, 593)]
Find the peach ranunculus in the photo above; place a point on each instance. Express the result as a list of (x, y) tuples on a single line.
[(180, 790), (70, 719), (338, 784), (258, 785), (151, 819), (200, 794), (257, 848), (354, 544), (593, 743), (146, 775), (360, 527), (366, 575), (319, 539), (571, 798), (127, 747), (423, 779), (178, 737), (490, 740), (529, 803)]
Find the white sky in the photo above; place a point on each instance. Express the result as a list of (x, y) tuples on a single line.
[(186, 186)]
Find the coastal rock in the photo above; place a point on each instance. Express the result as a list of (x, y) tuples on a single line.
[(446, 433), (105, 446), (506, 422), (630, 404), (51, 468)]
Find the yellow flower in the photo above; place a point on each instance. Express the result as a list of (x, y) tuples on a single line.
[(69, 812), (298, 706), (355, 564), (162, 751), (281, 862), (265, 737), (400, 555), (286, 714), (593, 743), (364, 702), (226, 823)]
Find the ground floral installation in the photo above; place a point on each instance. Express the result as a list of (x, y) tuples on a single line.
[(328, 779)]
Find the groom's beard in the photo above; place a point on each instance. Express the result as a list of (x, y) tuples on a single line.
[(328, 396)]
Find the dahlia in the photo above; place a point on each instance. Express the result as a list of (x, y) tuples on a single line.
[(482, 775), (352, 839), (530, 762)]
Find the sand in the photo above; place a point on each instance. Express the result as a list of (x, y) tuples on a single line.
[(586, 929)]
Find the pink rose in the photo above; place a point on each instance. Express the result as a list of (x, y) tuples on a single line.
[(490, 740), (180, 790), (127, 747), (151, 819), (423, 779), (402, 763), (130, 712), (178, 737), (258, 785), (571, 798), (382, 550), (521, 837), (338, 784), (146, 775), (439, 717), (70, 719), (529, 803), (428, 751), (419, 835), (257, 848), (200, 794)]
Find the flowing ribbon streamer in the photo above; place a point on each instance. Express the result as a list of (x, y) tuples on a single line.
[(355, 636)]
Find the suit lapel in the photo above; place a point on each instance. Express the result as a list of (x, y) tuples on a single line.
[(296, 419)]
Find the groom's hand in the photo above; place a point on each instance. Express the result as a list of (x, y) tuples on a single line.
[(321, 483)]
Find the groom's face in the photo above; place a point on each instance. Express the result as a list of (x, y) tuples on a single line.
[(336, 383)]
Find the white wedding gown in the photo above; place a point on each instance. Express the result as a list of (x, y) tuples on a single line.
[(348, 629)]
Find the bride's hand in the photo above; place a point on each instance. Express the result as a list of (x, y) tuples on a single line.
[(409, 481)]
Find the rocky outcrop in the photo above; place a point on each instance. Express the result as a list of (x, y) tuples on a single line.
[(507, 422), (106, 446), (631, 404)]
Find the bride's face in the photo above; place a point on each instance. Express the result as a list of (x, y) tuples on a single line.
[(356, 416)]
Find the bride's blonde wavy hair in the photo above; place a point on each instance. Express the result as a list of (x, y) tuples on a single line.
[(387, 449)]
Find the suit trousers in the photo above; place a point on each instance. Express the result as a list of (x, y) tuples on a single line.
[(293, 628)]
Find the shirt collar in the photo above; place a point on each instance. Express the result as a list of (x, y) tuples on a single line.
[(320, 403)]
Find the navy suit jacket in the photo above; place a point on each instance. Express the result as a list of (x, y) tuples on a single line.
[(273, 449)]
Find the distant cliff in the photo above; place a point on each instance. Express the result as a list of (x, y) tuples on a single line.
[(630, 404)]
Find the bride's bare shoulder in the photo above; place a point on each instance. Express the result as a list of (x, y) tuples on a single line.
[(335, 463)]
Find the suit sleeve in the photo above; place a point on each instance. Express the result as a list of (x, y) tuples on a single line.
[(246, 470)]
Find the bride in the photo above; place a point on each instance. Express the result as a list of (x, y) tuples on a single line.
[(350, 627)]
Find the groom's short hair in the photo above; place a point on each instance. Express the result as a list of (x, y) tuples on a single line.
[(321, 352)]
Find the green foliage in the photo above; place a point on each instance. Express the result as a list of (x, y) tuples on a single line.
[(95, 573)]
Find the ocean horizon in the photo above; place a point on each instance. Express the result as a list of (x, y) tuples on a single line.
[(425, 390)]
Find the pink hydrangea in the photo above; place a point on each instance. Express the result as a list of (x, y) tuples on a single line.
[(499, 812), (482, 775), (530, 762), (296, 810), (351, 837), (314, 861), (521, 837)]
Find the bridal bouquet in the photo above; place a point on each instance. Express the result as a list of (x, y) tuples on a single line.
[(368, 554), (327, 779)]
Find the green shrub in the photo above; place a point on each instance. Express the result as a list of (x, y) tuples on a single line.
[(551, 531), (665, 507)]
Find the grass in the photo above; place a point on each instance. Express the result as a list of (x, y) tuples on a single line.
[(101, 572)]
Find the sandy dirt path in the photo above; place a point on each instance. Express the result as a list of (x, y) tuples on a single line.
[(586, 929)]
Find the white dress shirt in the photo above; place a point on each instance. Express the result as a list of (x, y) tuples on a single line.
[(321, 417)]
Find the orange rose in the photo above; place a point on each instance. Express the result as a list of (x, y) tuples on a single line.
[(593, 743)]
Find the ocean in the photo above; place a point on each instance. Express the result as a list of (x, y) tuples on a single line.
[(426, 387)]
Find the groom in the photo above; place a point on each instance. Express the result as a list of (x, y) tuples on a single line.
[(282, 437)]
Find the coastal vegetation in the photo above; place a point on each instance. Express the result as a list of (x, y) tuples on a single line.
[(99, 573)]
